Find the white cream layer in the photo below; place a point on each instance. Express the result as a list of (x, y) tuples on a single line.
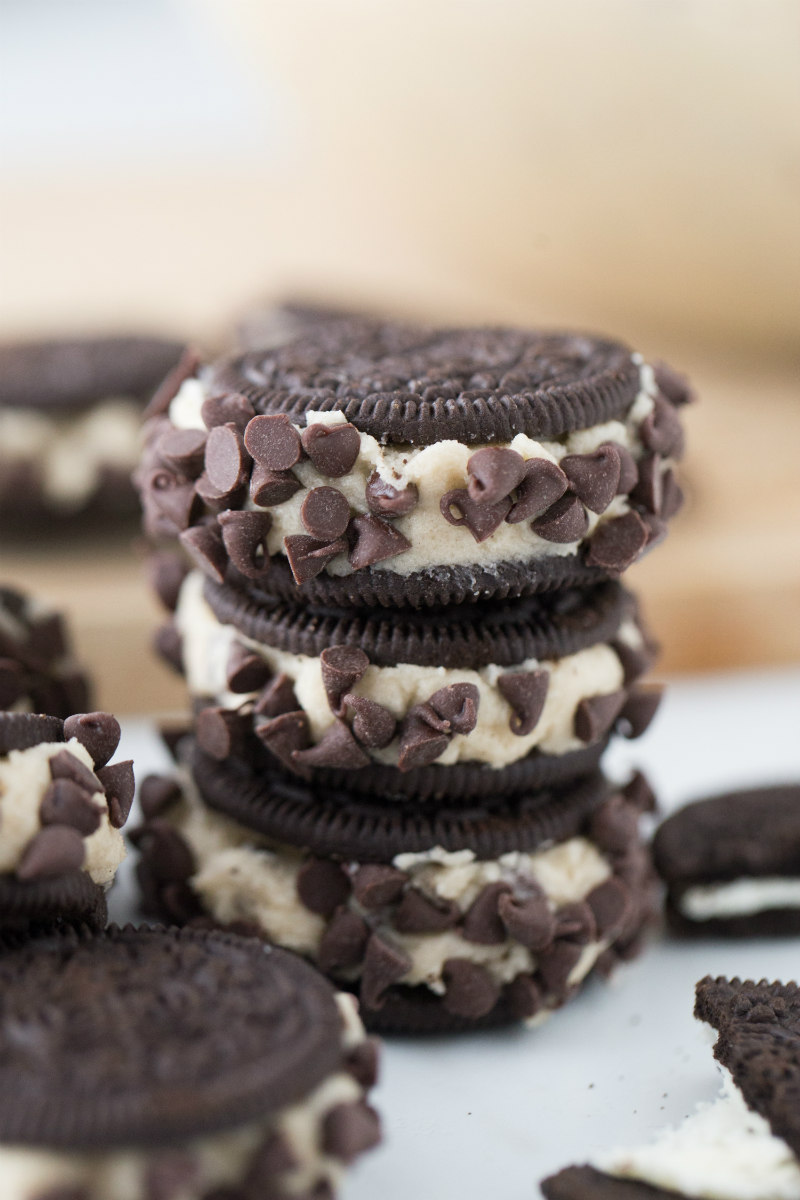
[(723, 1151), (739, 898), (24, 779), (434, 470), (206, 646), (244, 877), (69, 453), (221, 1160)]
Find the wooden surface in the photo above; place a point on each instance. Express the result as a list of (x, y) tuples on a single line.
[(722, 591)]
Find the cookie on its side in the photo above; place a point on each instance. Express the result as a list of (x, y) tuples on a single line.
[(371, 463), (440, 919), (62, 808), (198, 1064), (38, 672), (731, 864)]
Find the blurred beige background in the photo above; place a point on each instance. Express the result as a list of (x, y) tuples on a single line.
[(631, 166)]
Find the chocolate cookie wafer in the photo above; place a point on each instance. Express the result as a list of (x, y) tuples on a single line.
[(186, 1064), (62, 808), (70, 411), (38, 672), (440, 920), (380, 464), (731, 864), (473, 702)]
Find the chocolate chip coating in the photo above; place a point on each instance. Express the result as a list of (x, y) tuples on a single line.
[(325, 512), (273, 442), (387, 501), (333, 449)]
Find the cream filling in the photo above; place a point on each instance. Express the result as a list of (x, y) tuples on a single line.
[(70, 452), (435, 470), (591, 672), (241, 876), (739, 898), (220, 1160), (24, 779), (723, 1151)]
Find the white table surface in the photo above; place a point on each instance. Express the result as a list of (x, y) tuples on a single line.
[(488, 1116)]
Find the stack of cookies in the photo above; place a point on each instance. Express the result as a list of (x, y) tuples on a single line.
[(391, 554)]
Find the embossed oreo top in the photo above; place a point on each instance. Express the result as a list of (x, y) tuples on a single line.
[(416, 385)]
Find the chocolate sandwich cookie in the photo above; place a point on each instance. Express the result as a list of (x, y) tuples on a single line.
[(472, 702), (732, 864), (744, 1144), (62, 808), (380, 464), (70, 412), (38, 672), (146, 1064), (440, 920)]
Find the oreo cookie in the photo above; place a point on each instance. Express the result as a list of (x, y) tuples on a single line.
[(474, 702), (731, 864), (62, 808), (371, 463), (38, 672), (448, 921), (69, 416), (262, 1069)]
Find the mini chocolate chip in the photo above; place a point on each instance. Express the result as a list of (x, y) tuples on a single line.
[(269, 488), (637, 791), (674, 386), (617, 543), (157, 794), (325, 512), (227, 461), (457, 704), (322, 885), (246, 671), (341, 667), (179, 504), (220, 732), (565, 521), (309, 557), (11, 685), (470, 990), (343, 943), (66, 803), (273, 442), (168, 854), (169, 1176), (244, 535), (628, 470), (635, 660), (524, 997), (420, 744), (333, 449), (661, 430), (649, 489), (614, 827), (387, 501), (273, 1157), (575, 923), (378, 884), (639, 709), (494, 473), (233, 409), (656, 530), (203, 544), (183, 450), (168, 645), (556, 964), (118, 782), (350, 1129), (166, 571), (610, 903), (277, 698), (482, 922), (97, 732), (458, 508), (46, 639), (337, 748), (373, 540), (595, 715), (528, 920), (372, 724), (362, 1061), (66, 766), (594, 478), (216, 499), (421, 913), (384, 965), (284, 735), (544, 483), (180, 903), (168, 389), (55, 850), (672, 500), (526, 692)]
